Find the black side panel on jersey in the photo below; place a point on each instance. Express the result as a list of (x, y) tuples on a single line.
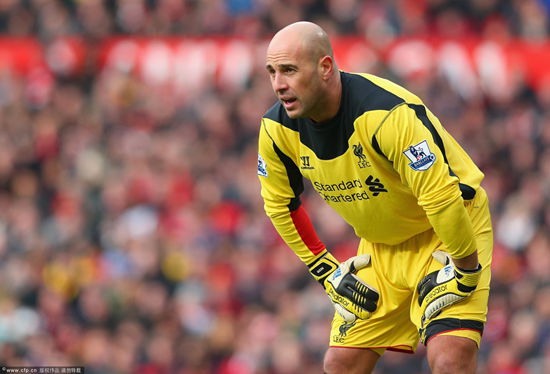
[(468, 192), (420, 112), (294, 178), (376, 146), (329, 139)]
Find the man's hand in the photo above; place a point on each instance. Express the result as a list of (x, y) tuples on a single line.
[(445, 287), (352, 297)]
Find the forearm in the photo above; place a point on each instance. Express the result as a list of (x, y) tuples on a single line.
[(351, 296), (296, 229), (453, 227), (469, 262)]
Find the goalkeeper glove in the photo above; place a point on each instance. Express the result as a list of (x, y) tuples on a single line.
[(445, 287), (351, 296)]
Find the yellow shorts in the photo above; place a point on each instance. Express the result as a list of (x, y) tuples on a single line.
[(395, 273)]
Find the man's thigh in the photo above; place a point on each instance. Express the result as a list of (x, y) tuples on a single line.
[(466, 318), (395, 272), (393, 331), (390, 325)]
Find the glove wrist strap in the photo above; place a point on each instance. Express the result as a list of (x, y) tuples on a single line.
[(477, 269), (323, 266), (467, 279)]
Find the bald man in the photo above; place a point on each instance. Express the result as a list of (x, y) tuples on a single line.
[(377, 155)]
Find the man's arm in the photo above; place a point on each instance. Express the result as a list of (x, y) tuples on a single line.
[(431, 179), (469, 262), (282, 184), (436, 186)]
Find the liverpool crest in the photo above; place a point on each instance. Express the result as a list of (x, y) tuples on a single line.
[(358, 151)]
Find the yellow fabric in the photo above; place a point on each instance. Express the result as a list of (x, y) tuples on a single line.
[(382, 197), (396, 270), (470, 334), (277, 194)]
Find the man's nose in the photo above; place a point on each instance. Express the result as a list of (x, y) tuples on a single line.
[(279, 83)]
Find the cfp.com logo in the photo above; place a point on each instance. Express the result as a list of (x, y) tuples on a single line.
[(43, 369)]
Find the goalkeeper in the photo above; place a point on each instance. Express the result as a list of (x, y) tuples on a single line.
[(381, 159)]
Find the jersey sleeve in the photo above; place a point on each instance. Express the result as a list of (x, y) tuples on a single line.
[(281, 186), (411, 138)]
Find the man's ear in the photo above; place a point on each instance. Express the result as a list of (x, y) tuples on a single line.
[(326, 67)]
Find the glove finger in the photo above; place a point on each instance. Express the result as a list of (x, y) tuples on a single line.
[(367, 302), (357, 292), (358, 262), (351, 315), (362, 294), (436, 306), (363, 288), (364, 314), (344, 313), (442, 257)]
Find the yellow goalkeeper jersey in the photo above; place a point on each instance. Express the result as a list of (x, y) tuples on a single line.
[(384, 163)]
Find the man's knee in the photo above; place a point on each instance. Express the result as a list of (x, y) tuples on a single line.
[(452, 355), (336, 361), (349, 360)]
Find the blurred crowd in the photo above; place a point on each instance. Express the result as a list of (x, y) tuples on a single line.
[(257, 18), (132, 233)]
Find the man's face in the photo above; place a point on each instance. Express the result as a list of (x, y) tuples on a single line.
[(295, 81)]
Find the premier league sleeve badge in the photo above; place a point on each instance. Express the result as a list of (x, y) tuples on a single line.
[(420, 156)]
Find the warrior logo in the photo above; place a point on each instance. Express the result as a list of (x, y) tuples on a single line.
[(358, 151), (305, 163), (420, 156)]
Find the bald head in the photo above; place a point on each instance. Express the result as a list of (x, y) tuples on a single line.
[(303, 73), (305, 38)]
